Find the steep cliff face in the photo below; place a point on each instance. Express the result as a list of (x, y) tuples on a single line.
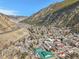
[(6, 24), (63, 14)]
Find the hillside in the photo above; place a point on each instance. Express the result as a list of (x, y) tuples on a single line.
[(9, 32), (6, 24), (62, 14)]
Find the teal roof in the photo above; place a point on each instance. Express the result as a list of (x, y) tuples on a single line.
[(43, 54)]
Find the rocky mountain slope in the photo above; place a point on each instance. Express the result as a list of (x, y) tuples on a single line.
[(62, 14)]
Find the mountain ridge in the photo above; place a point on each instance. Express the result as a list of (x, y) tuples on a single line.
[(17, 19), (48, 16)]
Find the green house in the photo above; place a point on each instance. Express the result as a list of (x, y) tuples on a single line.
[(43, 54)]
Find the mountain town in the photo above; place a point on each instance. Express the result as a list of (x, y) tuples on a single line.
[(51, 33)]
